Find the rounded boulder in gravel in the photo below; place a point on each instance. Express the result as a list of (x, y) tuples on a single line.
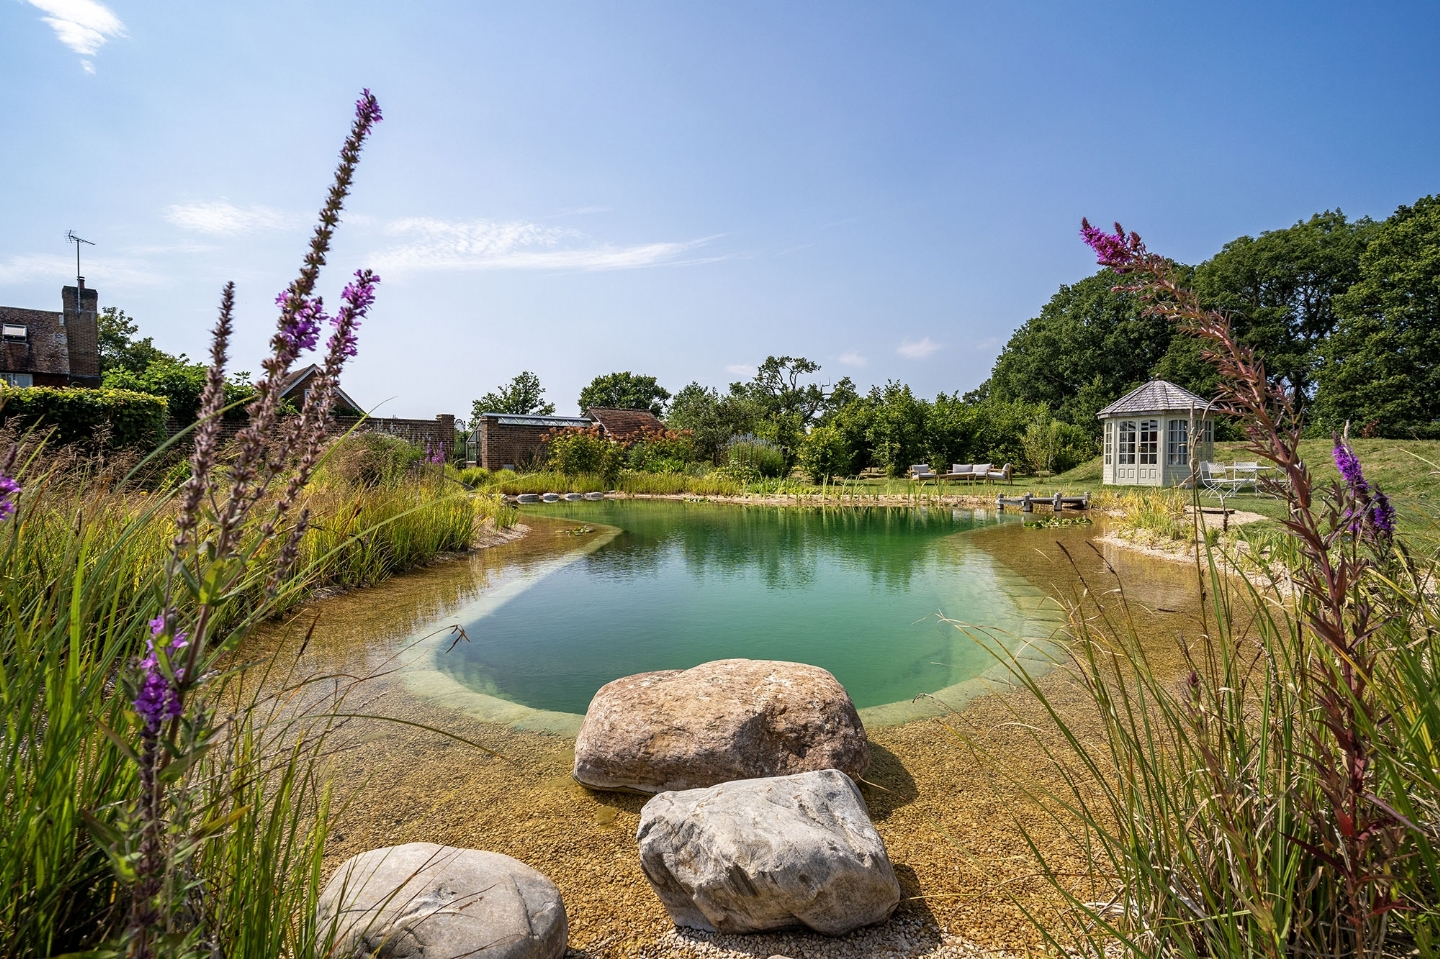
[(766, 854), (424, 899), (730, 719)]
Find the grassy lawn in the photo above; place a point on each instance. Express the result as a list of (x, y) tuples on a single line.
[(1407, 470)]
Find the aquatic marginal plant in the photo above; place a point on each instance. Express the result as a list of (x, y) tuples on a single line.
[(1346, 562), (226, 519)]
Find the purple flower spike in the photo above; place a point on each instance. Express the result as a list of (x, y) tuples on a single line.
[(8, 489), (359, 296), (300, 326), (1115, 250), (367, 108), (1382, 514), (1349, 467)]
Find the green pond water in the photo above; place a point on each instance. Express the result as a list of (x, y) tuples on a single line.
[(667, 585)]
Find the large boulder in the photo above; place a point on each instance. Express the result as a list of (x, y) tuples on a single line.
[(763, 854), (730, 719), (422, 899)]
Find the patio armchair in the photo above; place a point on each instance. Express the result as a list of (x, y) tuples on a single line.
[(1006, 472), (922, 471)]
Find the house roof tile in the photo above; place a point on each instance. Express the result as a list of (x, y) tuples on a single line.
[(625, 425)]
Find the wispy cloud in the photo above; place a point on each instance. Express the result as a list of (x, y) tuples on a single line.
[(741, 369), (223, 218), (433, 244), (39, 267), (917, 349), (851, 358), (82, 25)]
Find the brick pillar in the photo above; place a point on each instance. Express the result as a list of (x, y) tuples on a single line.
[(445, 423)]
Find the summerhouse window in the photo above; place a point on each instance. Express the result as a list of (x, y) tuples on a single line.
[(1177, 445), (1149, 442), (1109, 440), (1125, 446)]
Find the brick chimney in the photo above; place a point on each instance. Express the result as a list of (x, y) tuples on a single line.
[(82, 327)]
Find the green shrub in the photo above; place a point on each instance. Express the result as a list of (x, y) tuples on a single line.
[(663, 451), (181, 384), (118, 418), (576, 450), (368, 460), (825, 452), (762, 456), (1054, 446)]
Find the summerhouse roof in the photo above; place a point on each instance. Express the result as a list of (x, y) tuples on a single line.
[(1157, 396)]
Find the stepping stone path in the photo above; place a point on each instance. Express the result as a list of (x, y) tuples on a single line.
[(730, 719), (422, 899), (763, 854)]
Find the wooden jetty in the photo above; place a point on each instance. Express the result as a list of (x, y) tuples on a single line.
[(1029, 501)]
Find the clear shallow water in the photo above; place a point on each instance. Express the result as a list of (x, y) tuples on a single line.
[(856, 591)]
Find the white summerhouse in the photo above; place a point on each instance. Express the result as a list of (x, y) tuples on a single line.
[(1147, 436)]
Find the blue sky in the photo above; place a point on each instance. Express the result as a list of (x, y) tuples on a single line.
[(676, 188)]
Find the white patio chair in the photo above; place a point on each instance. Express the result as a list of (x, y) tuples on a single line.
[(1215, 478)]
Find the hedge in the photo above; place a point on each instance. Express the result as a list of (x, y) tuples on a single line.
[(122, 417)]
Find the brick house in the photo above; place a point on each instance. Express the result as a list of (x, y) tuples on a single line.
[(298, 383), (47, 348)]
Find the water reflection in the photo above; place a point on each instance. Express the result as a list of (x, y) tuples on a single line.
[(856, 591)]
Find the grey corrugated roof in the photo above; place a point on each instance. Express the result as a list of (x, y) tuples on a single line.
[(1157, 396)]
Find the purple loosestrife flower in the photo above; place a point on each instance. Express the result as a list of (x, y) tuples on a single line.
[(8, 489), (359, 296), (1382, 514), (1115, 250), (1349, 467), (158, 700), (300, 327)]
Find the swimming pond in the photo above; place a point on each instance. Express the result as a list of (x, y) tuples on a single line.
[(669, 585)]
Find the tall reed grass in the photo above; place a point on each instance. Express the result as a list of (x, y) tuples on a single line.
[(1276, 790), (160, 796)]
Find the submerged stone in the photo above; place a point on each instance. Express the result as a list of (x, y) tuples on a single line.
[(730, 719), (765, 854), (423, 899)]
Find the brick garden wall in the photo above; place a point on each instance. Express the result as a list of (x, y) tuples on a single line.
[(438, 434)]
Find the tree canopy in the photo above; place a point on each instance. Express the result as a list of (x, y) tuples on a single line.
[(625, 391), (1089, 345), (521, 396), (1381, 368), (119, 347), (1279, 290)]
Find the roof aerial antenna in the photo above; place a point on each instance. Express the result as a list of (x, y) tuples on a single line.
[(79, 280)]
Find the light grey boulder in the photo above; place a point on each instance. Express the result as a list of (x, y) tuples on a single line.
[(528, 498), (423, 900), (763, 854), (550, 498), (594, 496), (572, 497), (729, 719)]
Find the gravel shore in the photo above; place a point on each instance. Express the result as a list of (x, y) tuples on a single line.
[(950, 797)]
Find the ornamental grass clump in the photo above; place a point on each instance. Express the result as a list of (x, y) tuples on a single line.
[(156, 803), (1276, 793)]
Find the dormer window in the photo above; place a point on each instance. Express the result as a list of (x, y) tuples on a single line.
[(15, 332)]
